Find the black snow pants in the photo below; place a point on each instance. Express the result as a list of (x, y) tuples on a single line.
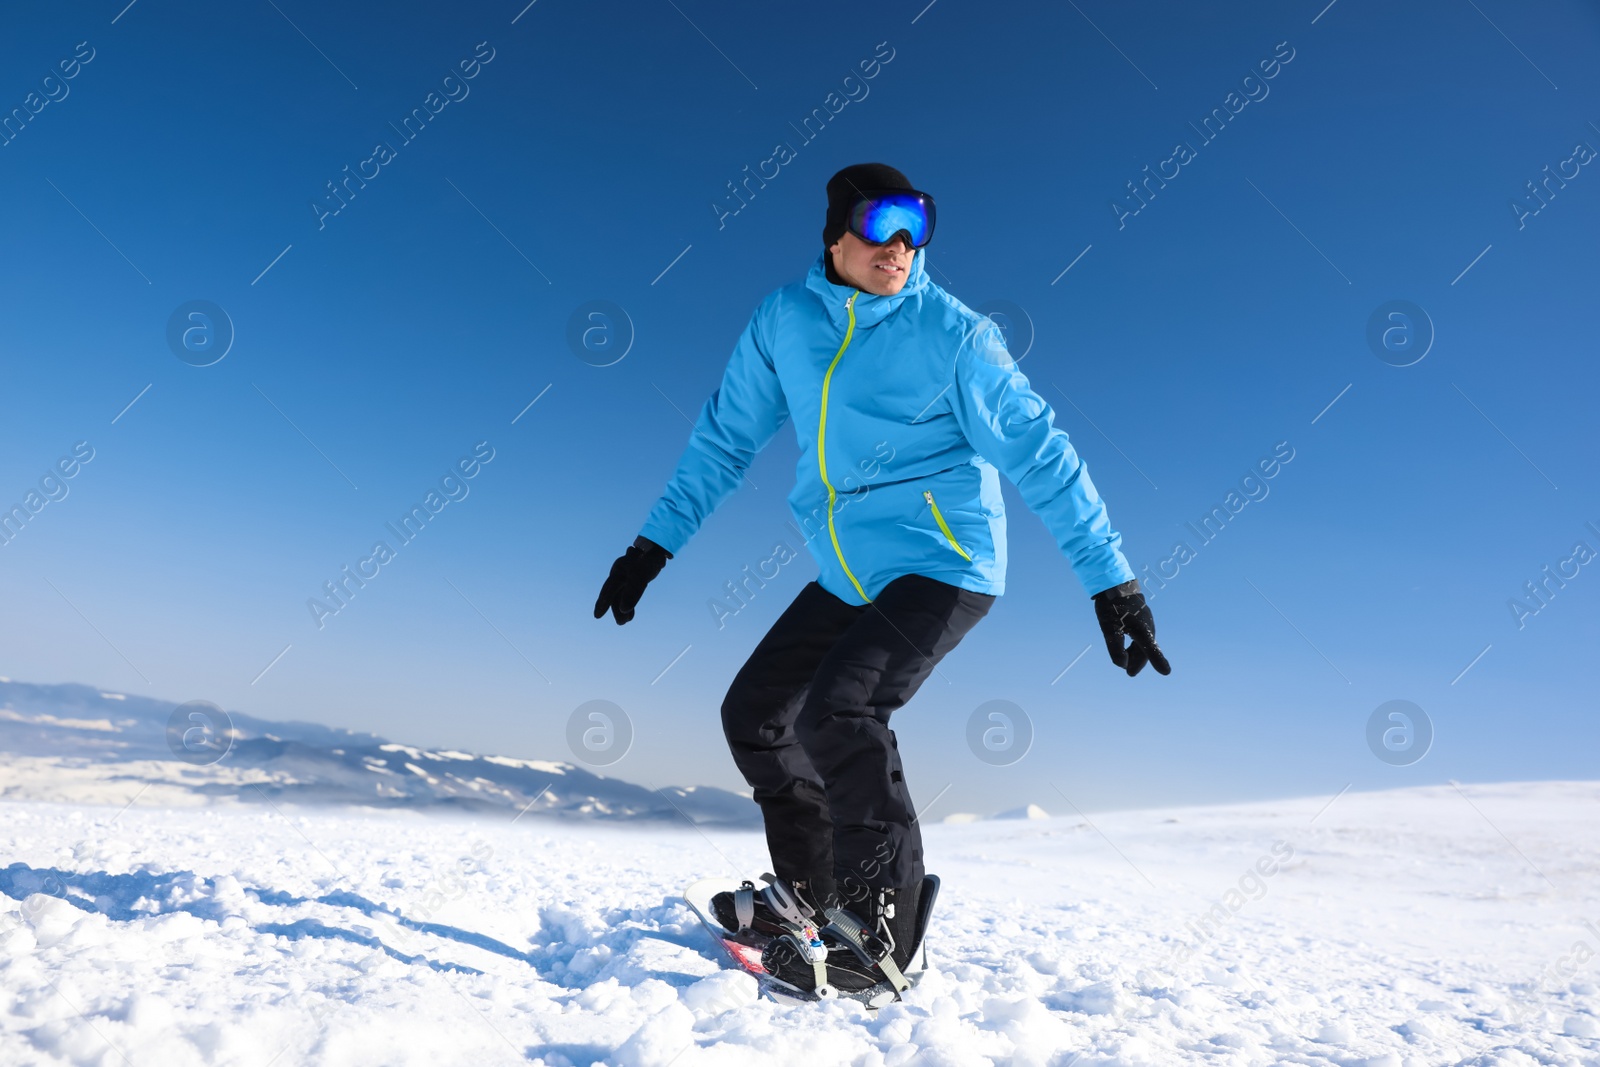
[(807, 719)]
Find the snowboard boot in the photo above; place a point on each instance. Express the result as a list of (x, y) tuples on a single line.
[(867, 946), (769, 911)]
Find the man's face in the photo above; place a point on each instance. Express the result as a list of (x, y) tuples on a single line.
[(877, 269)]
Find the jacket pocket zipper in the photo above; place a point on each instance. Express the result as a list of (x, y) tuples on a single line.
[(944, 526)]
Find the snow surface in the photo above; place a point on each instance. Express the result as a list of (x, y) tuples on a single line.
[(1439, 925)]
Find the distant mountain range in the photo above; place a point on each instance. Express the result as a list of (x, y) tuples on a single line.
[(78, 743)]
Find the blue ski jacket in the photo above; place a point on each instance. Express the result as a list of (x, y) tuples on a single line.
[(907, 409)]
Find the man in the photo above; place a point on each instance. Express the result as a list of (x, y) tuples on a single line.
[(907, 409)]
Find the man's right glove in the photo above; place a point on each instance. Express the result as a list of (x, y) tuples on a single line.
[(632, 571), (1122, 611)]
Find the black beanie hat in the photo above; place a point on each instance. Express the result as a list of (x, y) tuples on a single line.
[(847, 186)]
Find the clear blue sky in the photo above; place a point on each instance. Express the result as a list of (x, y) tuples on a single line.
[(582, 161)]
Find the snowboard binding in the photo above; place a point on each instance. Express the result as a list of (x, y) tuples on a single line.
[(814, 958)]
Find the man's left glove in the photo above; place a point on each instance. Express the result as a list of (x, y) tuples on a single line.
[(1123, 612), (632, 571)]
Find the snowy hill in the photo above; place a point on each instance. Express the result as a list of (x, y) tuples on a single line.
[(1431, 926), (76, 743)]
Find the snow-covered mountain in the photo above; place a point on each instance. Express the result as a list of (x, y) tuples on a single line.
[(78, 743)]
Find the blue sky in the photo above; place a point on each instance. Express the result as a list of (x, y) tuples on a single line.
[(583, 160)]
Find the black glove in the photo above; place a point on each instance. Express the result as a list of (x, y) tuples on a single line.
[(1122, 611), (632, 571)]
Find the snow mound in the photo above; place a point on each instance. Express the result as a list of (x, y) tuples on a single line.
[(1032, 811)]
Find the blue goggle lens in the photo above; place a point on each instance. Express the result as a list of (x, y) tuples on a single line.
[(883, 215)]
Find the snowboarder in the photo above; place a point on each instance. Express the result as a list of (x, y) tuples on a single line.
[(907, 408)]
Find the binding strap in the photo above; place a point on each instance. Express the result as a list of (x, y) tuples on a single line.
[(807, 939), (781, 899), (868, 946), (744, 905)]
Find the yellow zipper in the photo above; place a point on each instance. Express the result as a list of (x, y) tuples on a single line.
[(938, 518), (822, 445)]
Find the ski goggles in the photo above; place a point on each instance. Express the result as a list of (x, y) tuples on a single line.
[(878, 216)]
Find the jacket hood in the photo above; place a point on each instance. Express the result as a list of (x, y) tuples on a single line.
[(869, 308)]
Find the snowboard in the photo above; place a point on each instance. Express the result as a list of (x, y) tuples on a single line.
[(743, 950)]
